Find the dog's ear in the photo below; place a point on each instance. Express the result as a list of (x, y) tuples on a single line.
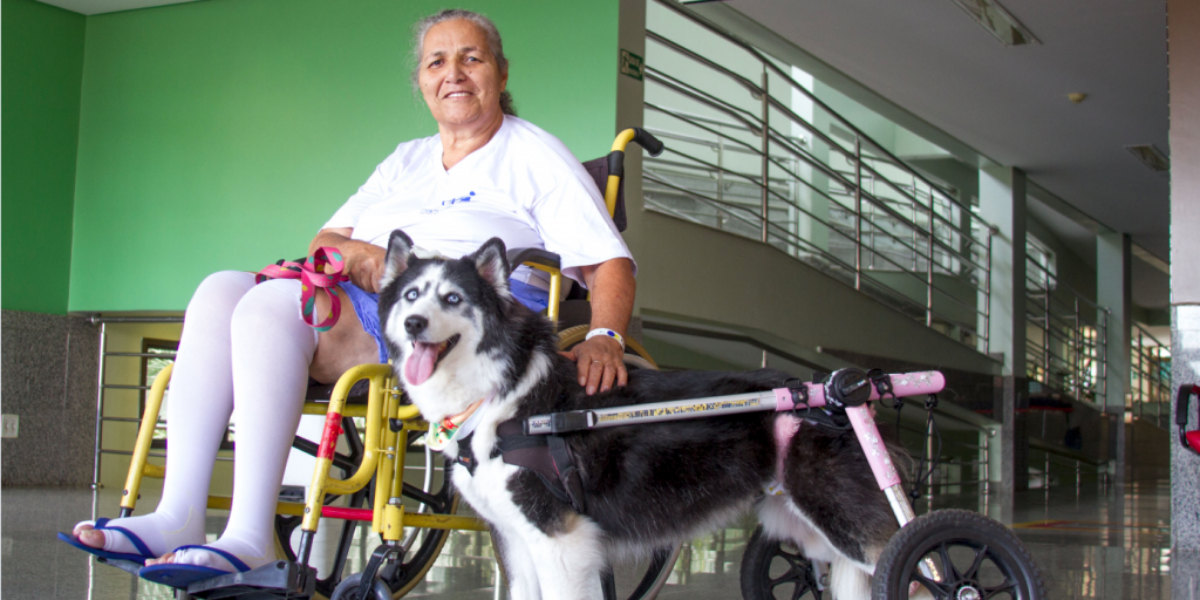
[(491, 260), (399, 254)]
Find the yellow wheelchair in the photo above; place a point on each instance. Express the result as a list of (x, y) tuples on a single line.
[(413, 519)]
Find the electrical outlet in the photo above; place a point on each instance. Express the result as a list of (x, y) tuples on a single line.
[(11, 424)]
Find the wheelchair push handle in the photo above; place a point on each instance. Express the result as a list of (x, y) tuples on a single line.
[(645, 139), (616, 158), (1182, 400), (616, 161)]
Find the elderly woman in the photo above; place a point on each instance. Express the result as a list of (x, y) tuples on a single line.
[(246, 351)]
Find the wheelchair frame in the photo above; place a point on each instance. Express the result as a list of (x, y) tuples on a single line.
[(388, 423)]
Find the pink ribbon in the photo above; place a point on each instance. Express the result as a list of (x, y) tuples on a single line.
[(317, 273)]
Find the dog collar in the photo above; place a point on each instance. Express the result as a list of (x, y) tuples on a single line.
[(461, 424)]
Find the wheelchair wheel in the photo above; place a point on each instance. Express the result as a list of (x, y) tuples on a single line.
[(348, 589), (635, 354), (773, 569), (424, 545), (403, 576), (976, 557)]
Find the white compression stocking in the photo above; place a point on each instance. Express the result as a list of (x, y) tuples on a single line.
[(243, 341), (198, 408), (272, 350)]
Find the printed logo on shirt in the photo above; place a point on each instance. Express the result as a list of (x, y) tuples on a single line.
[(446, 203)]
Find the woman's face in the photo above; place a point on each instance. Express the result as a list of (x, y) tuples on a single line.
[(459, 78)]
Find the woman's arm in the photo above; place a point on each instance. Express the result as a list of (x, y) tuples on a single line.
[(600, 359), (364, 262)]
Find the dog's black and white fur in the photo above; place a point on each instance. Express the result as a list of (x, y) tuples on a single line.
[(646, 486)]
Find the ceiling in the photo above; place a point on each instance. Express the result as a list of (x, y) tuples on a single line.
[(932, 61), (1010, 103), (95, 7)]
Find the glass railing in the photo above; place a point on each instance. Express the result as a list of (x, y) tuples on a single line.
[(813, 185)]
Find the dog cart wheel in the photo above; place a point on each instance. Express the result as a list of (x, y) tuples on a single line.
[(771, 569), (976, 557)]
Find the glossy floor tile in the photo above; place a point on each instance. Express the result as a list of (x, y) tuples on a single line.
[(1089, 543)]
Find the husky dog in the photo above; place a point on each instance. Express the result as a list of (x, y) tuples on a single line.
[(457, 337)]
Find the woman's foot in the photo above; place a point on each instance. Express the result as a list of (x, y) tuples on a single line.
[(213, 556), (147, 535)]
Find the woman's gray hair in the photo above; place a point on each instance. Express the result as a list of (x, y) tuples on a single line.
[(489, 30)]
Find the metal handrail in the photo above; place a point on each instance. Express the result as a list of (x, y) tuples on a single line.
[(1147, 387), (730, 37), (1063, 324), (903, 220), (103, 322), (697, 195), (732, 209), (889, 211), (743, 115), (1070, 458)]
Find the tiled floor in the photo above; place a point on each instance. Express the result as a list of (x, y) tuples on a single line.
[(1089, 543)]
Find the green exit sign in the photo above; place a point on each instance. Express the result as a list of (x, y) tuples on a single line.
[(632, 64)]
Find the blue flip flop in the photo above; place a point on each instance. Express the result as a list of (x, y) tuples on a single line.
[(144, 551), (181, 576)]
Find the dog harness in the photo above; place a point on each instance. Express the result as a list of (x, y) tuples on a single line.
[(548, 456)]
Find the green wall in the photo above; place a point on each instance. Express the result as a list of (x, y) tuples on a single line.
[(221, 134), (42, 50)]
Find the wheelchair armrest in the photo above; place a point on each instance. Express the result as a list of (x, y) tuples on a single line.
[(516, 256)]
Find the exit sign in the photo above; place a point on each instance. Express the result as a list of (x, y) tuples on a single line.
[(632, 64)]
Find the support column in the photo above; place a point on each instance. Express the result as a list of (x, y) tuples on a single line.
[(1114, 291), (631, 36), (1002, 203), (1183, 36)]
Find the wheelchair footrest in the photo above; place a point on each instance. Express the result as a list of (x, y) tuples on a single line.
[(124, 565), (277, 580)]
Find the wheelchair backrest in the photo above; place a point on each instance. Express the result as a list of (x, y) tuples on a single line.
[(598, 169)]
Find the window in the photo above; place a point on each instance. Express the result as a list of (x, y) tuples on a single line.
[(151, 367)]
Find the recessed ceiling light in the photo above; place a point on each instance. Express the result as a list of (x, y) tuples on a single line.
[(1151, 156), (998, 21)]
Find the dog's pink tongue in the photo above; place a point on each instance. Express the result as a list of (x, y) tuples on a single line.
[(419, 365)]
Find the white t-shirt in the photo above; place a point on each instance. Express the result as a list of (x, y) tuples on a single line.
[(523, 186)]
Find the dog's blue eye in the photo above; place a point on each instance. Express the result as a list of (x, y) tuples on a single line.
[(411, 294), (453, 298)]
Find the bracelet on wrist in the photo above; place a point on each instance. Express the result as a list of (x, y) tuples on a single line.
[(608, 333)]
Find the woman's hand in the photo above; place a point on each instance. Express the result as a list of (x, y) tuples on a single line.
[(600, 362), (600, 359), (364, 263)]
